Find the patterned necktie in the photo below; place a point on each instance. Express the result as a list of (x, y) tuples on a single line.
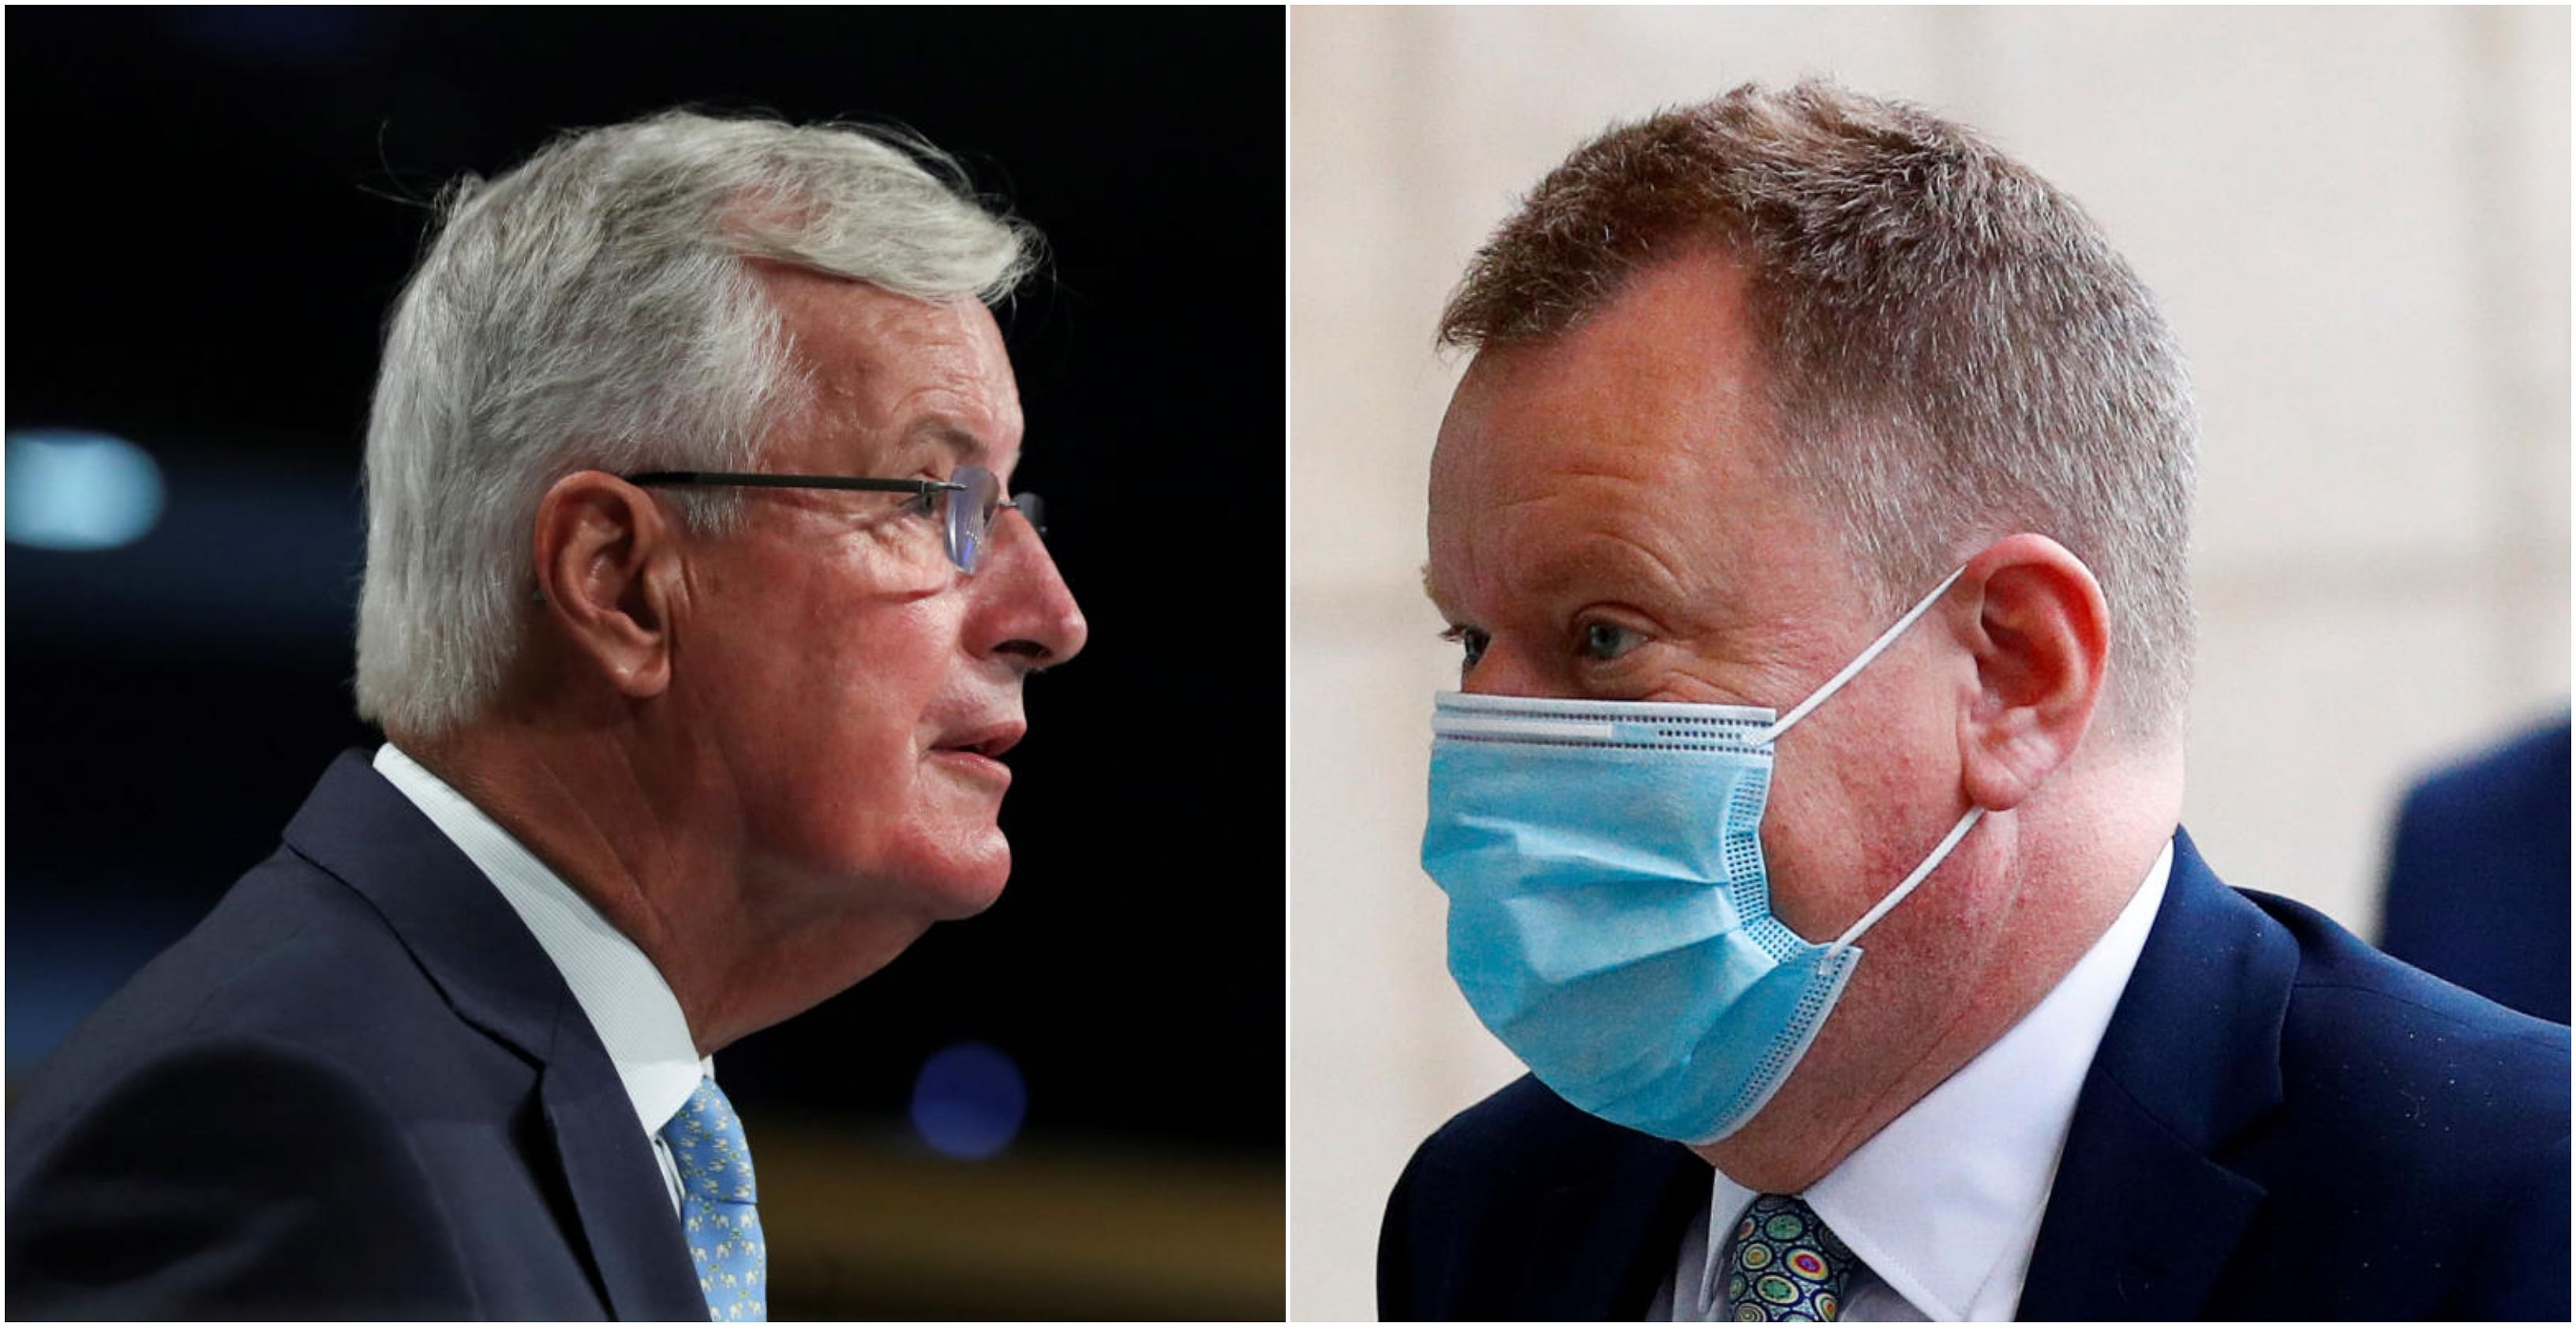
[(1784, 1266), (716, 1196)]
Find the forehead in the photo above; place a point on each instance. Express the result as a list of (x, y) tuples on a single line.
[(890, 376), (1641, 432)]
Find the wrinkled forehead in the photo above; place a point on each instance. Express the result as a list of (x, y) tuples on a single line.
[(1525, 423), (1636, 443), (893, 381), (1664, 380)]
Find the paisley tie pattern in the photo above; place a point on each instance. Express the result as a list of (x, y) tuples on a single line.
[(1783, 1265), (716, 1197)]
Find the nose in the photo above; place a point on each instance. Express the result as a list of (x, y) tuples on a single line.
[(1026, 615), (1503, 671)]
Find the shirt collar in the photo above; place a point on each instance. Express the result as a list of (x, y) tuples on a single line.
[(629, 1005), (1949, 1194)]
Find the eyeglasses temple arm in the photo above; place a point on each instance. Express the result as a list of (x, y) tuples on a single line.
[(729, 479)]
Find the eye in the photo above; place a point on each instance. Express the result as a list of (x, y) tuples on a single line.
[(1471, 642), (1604, 641)]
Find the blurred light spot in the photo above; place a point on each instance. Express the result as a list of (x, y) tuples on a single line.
[(969, 1101), (79, 491), (283, 36)]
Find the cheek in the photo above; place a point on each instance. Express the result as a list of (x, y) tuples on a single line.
[(849, 725), (1807, 846), (1839, 831), (895, 675), (1848, 833)]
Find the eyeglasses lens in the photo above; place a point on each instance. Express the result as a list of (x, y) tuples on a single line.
[(970, 514)]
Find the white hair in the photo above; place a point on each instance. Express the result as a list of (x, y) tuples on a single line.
[(592, 310)]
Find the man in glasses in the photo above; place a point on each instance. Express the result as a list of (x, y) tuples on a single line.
[(697, 613)]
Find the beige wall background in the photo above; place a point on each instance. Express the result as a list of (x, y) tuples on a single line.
[(2358, 222)]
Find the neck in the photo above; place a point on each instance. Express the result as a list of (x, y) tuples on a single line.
[(664, 859), (1949, 972)]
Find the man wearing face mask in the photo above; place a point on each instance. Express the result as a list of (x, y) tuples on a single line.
[(1813, 518)]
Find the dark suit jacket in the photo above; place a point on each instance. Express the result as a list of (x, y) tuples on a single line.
[(2477, 875), (2281, 1123), (358, 1089)]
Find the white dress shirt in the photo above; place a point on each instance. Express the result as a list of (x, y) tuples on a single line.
[(1943, 1205), (630, 1006)]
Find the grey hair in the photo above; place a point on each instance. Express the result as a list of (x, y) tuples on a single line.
[(592, 310), (1953, 349)]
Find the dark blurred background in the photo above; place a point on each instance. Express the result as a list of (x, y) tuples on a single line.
[(1070, 1106)]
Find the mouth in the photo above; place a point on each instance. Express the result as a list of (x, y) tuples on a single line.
[(978, 753), (989, 741)]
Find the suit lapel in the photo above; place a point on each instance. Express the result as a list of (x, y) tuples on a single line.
[(499, 979), (635, 1238), (2145, 1213)]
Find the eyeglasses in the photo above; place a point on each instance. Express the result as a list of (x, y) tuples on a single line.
[(966, 503)]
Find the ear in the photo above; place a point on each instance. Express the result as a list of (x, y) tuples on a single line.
[(607, 561), (2041, 635)]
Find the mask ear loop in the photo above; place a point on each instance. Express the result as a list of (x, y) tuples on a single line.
[(1859, 662), (1897, 895), (1850, 670)]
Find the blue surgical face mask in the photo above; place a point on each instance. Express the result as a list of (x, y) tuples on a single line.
[(1609, 914)]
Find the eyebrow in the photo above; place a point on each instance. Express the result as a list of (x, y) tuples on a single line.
[(965, 446), (1431, 590), (1561, 570)]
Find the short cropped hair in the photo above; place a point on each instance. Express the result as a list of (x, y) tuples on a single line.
[(593, 309), (1952, 350)]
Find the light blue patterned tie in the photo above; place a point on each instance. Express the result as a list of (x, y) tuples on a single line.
[(716, 1197)]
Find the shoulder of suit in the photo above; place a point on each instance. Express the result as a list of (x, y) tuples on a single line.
[(2374, 1036), (291, 962), (1522, 1137)]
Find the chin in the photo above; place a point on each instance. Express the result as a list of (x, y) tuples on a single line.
[(955, 885)]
